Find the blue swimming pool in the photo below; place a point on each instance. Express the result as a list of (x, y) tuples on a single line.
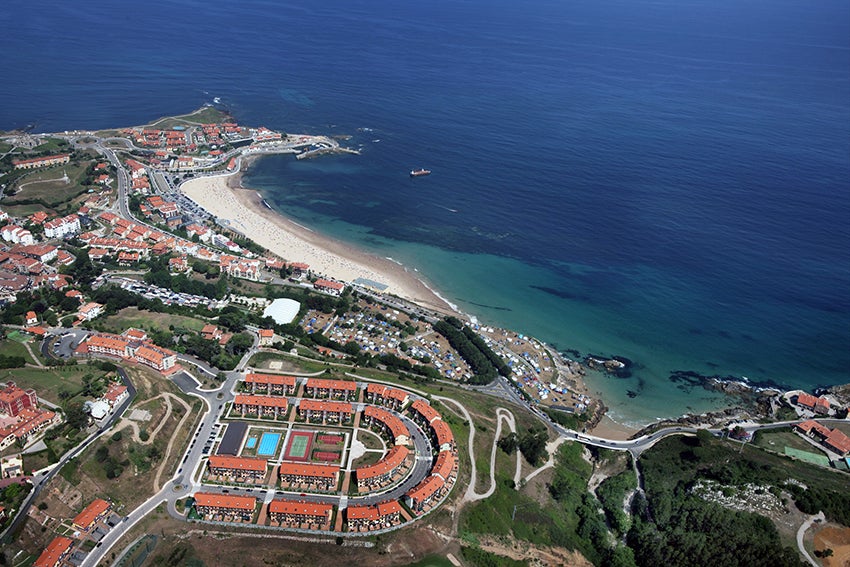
[(251, 443), (268, 444)]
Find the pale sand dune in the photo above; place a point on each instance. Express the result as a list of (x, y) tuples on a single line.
[(223, 197)]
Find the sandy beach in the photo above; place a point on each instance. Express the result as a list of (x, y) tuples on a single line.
[(224, 197)]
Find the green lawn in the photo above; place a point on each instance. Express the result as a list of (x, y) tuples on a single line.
[(15, 347), (206, 115), (776, 440), (133, 317), (46, 184), (47, 382)]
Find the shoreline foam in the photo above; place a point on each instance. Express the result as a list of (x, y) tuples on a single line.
[(224, 197)]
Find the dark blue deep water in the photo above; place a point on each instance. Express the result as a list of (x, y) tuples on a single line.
[(668, 181)]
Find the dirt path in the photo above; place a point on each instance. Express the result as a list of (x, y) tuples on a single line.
[(802, 531), (502, 415), (551, 448), (186, 414), (126, 423), (32, 355)]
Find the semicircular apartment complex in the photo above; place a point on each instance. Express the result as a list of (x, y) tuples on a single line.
[(339, 456)]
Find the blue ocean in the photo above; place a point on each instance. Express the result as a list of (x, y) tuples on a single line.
[(667, 181)]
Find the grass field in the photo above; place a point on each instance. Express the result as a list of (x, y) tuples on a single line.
[(777, 439), (203, 116), (15, 348), (808, 456), (46, 185), (132, 317), (47, 382)]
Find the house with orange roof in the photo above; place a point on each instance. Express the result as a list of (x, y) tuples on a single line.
[(89, 311), (443, 436), (38, 217), (156, 357), (423, 412), (425, 493), (322, 477), (93, 513), (444, 466), (237, 468), (329, 287), (266, 337), (317, 411), (379, 516), (55, 553), (179, 264), (307, 515), (387, 423), (327, 388), (382, 472), (14, 400), (225, 506), (387, 396), (115, 394), (272, 384), (31, 318), (271, 406)]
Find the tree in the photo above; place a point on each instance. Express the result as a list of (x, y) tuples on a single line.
[(76, 416), (508, 443)]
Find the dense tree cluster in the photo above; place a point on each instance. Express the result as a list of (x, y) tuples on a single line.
[(472, 348)]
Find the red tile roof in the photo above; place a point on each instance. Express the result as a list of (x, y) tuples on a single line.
[(307, 469), (237, 463), (300, 508), (393, 459), (270, 379), (86, 518), (445, 465), (246, 503), (325, 384), (319, 405), (260, 401), (56, 549), (425, 410), (426, 488)]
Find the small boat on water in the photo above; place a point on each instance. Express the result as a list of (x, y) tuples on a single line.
[(419, 172)]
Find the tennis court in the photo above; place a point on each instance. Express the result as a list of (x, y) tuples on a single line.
[(268, 444), (299, 445)]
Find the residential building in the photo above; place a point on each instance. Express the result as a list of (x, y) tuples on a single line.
[(323, 477), (316, 514), (61, 227), (325, 388), (384, 470), (55, 553), (41, 161), (89, 311), (260, 405), (237, 467), (327, 286), (266, 337), (271, 384), (381, 515), (208, 504), (93, 513), (386, 396), (14, 400), (320, 411), (387, 423), (425, 493), (423, 412)]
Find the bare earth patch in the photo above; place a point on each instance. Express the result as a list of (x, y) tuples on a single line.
[(836, 538)]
